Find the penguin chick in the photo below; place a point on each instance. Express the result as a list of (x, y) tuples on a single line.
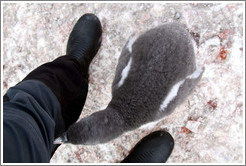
[(155, 73)]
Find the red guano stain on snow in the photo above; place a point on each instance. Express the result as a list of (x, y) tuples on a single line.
[(224, 36), (225, 43), (184, 130), (212, 104), (78, 157), (223, 53)]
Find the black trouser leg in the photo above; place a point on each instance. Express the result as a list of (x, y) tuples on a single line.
[(68, 80)]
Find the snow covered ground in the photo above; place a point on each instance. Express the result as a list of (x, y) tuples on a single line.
[(207, 128)]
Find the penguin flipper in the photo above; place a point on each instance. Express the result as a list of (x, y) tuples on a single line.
[(123, 60), (186, 87)]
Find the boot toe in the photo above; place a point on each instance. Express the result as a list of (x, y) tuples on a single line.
[(85, 38), (154, 148)]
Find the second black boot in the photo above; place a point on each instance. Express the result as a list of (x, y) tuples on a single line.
[(85, 39), (154, 148)]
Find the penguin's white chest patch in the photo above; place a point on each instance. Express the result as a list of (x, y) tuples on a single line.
[(125, 72)]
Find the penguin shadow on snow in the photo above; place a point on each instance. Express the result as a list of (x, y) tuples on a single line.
[(156, 71)]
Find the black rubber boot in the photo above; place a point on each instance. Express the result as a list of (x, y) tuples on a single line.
[(85, 39), (154, 148)]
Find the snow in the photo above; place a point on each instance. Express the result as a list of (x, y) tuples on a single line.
[(217, 135), (193, 126)]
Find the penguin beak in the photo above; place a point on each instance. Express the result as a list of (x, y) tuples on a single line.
[(61, 139)]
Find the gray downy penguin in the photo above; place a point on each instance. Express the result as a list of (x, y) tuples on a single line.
[(155, 73)]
